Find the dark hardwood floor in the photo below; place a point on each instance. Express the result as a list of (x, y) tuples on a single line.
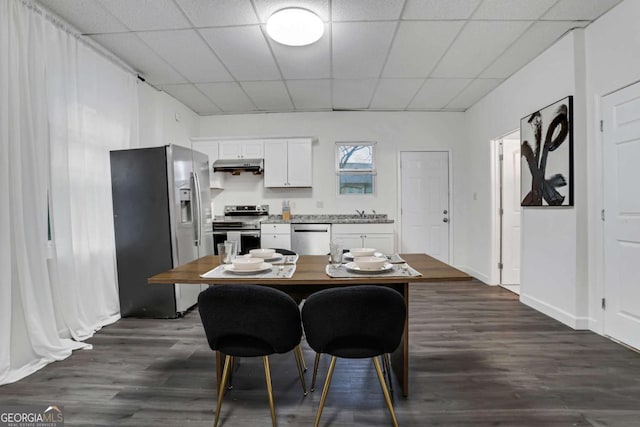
[(478, 358)]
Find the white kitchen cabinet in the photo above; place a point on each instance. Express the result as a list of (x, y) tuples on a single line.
[(378, 236), (288, 163), (241, 149), (275, 236), (210, 148)]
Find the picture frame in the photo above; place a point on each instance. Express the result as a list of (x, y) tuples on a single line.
[(546, 153)]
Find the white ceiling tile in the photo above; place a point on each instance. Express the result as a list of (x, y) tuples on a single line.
[(268, 96), (188, 53), (229, 96), (365, 10), (535, 40), (192, 98), (88, 16), (395, 94), (352, 93), (135, 53), (571, 10), (473, 93), (144, 15), (310, 94), (477, 46), (418, 46), (244, 51), (439, 9), (360, 48), (435, 94), (216, 13), (512, 9), (304, 62), (266, 8)]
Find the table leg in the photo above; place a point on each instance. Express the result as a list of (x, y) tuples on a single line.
[(400, 357)]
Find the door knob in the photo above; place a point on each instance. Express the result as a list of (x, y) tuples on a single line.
[(445, 211), (445, 219)]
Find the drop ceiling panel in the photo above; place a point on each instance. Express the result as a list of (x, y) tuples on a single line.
[(219, 13), (304, 62), (88, 16), (360, 49), (143, 15), (365, 10), (512, 9), (418, 46), (395, 94), (535, 40), (473, 93), (268, 96), (266, 8), (310, 94), (229, 96), (477, 46), (129, 48), (192, 98), (439, 9), (572, 10), (244, 51), (435, 94), (353, 94), (188, 53)]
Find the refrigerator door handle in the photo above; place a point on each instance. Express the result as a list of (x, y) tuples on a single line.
[(195, 209)]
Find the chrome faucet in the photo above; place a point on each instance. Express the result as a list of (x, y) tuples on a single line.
[(360, 213)]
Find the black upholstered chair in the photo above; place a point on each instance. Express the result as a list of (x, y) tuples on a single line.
[(250, 321), (354, 322), (284, 251)]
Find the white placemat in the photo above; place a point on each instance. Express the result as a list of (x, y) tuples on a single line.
[(286, 259), (397, 271), (276, 272)]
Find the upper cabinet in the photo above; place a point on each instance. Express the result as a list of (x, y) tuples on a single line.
[(211, 149), (288, 163), (241, 149)]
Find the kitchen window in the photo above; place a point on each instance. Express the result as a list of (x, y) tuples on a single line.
[(355, 168)]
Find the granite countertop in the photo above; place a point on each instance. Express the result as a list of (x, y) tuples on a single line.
[(330, 219)]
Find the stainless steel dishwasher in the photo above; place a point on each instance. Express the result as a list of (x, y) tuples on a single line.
[(310, 239)]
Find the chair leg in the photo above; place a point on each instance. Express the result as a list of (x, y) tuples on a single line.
[(222, 387), (267, 374), (387, 398), (297, 352), (304, 364), (325, 389), (387, 368), (315, 372), (233, 368)]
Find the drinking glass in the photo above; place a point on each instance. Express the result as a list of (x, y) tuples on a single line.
[(224, 252), (335, 254), (233, 252)]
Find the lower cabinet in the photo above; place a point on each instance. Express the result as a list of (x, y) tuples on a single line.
[(378, 236), (275, 236)]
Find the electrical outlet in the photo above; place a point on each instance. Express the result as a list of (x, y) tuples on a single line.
[(293, 205), (320, 204)]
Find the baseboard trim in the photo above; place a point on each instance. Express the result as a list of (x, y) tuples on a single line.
[(475, 273), (578, 323)]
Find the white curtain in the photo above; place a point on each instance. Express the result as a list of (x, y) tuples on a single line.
[(62, 108)]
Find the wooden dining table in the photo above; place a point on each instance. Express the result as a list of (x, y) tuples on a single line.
[(310, 276)]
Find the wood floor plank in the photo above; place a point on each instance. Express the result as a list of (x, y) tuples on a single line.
[(477, 358)]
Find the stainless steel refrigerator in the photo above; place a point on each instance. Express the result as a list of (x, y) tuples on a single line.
[(162, 219)]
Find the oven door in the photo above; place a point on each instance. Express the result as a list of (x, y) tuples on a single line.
[(249, 239)]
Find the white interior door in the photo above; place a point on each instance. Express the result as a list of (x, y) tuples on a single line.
[(424, 182), (621, 114), (510, 212)]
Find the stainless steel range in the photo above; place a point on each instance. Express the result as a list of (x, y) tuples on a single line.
[(242, 224)]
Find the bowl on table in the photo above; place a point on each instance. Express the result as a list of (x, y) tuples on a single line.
[(247, 263), (362, 252), (370, 262), (262, 253)]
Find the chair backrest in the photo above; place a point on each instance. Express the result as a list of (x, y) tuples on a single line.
[(354, 321), (284, 251), (249, 320)]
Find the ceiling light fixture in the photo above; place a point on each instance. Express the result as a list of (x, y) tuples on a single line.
[(295, 26)]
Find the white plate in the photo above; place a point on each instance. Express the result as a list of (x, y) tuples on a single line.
[(277, 256), (263, 267), (352, 267), (348, 256)]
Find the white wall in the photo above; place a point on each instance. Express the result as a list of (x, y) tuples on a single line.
[(393, 132), (613, 62)]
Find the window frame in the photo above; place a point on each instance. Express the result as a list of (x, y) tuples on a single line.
[(350, 171)]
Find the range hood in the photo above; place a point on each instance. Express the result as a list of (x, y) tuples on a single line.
[(235, 166)]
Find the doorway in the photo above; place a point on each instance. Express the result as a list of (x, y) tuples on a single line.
[(424, 203), (507, 210)]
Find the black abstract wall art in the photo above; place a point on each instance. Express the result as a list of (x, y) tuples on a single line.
[(547, 155)]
